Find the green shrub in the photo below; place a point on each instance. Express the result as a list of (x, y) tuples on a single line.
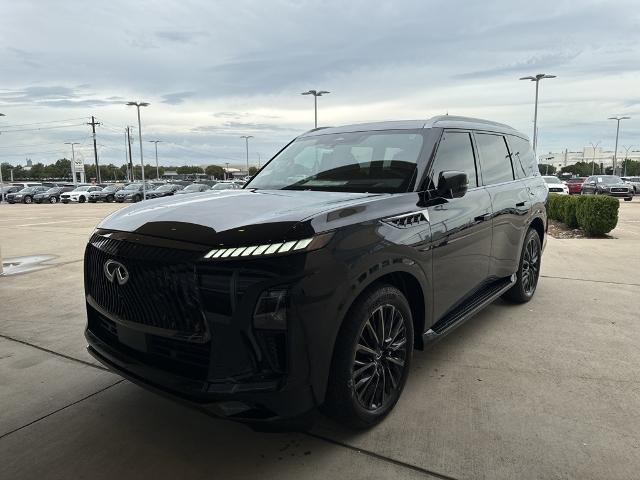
[(597, 214), (553, 206), (568, 205)]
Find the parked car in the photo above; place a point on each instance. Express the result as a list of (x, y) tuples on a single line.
[(165, 190), (634, 182), (80, 194), (555, 185), (193, 188), (9, 189), (575, 184), (52, 195), (132, 193), (607, 185), (314, 291), (26, 184), (107, 194), (226, 186), (24, 195)]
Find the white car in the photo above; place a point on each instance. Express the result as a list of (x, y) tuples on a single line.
[(80, 194), (555, 185)]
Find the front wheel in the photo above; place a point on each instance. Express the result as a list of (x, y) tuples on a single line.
[(53, 199), (627, 199), (28, 199), (109, 199), (528, 270), (81, 199), (371, 358)]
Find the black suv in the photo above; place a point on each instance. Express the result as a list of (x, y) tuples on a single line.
[(107, 194), (26, 194), (611, 185), (313, 285)]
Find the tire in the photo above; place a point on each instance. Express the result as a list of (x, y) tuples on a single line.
[(137, 198), (352, 397), (53, 200), (627, 199), (81, 199), (27, 199), (109, 199), (528, 270)]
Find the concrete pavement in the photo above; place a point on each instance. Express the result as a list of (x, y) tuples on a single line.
[(549, 389)]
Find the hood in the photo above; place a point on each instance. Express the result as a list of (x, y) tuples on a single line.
[(240, 217)]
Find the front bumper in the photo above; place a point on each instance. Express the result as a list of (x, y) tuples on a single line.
[(230, 367)]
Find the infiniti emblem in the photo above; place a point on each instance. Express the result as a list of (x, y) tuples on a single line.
[(116, 271)]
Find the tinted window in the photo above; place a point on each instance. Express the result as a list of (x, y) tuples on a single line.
[(380, 162), (455, 152), (494, 157), (524, 161)]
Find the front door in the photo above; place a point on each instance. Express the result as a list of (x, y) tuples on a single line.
[(460, 227)]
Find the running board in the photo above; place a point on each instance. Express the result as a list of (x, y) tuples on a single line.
[(468, 309)]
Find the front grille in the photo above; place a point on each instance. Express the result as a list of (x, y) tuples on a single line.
[(161, 291), (553, 189), (619, 190), (187, 359)]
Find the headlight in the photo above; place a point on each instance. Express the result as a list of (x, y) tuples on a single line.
[(278, 248)]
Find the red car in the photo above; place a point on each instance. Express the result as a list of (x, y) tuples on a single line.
[(575, 185)]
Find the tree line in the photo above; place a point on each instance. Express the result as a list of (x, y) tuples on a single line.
[(584, 169), (61, 170)]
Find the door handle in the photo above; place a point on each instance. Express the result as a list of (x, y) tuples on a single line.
[(482, 218), (520, 204)]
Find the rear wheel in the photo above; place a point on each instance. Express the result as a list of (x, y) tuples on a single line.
[(371, 358), (528, 270)]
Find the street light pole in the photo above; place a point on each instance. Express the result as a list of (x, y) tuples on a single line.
[(615, 152), (226, 172), (536, 79), (1, 181), (246, 138), (138, 105), (316, 94), (73, 162), (593, 165), (157, 168)]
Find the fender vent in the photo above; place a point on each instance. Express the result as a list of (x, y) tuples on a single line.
[(408, 219)]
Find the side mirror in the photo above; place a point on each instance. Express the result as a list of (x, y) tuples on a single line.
[(452, 184)]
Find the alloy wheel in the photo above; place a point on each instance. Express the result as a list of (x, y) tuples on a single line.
[(530, 266), (379, 358)]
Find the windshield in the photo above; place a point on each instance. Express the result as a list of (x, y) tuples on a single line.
[(27, 190), (223, 186), (133, 186), (165, 188), (609, 179), (110, 188), (82, 188), (191, 188), (377, 162), (552, 179)]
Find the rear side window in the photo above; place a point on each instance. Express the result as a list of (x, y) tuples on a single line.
[(494, 158), (455, 152), (524, 161)]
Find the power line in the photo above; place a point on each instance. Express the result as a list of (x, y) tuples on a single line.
[(42, 123), (41, 128)]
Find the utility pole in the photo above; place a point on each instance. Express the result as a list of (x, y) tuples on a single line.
[(626, 157), (246, 139), (226, 171), (138, 105), (93, 124), (593, 165), (1, 185), (133, 177), (615, 152), (157, 168)]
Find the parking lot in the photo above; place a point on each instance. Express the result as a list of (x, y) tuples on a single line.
[(547, 389)]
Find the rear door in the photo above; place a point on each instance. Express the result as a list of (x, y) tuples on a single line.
[(460, 228), (510, 200)]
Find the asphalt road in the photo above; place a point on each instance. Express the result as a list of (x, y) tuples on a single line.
[(549, 389)]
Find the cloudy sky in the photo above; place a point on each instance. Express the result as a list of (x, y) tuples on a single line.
[(215, 70)]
